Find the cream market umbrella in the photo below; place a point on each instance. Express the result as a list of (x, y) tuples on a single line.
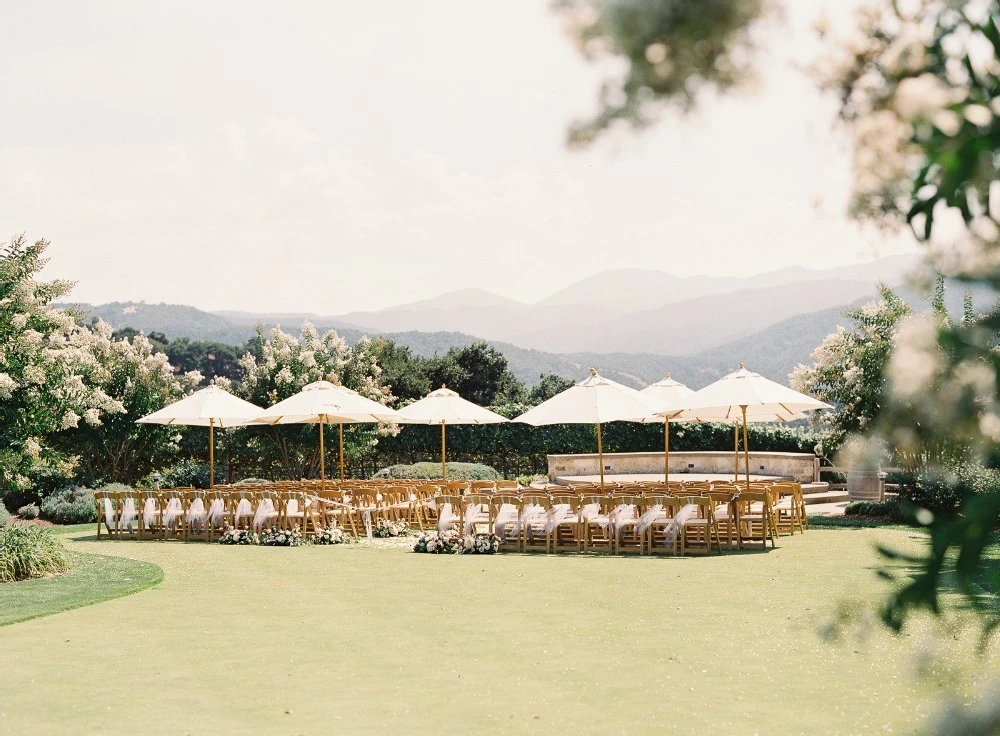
[(595, 400), (325, 403), (445, 407), (210, 407), (665, 395), (748, 397)]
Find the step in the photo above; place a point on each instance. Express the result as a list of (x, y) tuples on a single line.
[(835, 496)]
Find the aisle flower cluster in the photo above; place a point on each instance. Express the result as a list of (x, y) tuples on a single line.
[(450, 542), (333, 535), (239, 536), (281, 538), (385, 528)]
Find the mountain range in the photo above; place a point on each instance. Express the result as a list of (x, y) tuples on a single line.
[(631, 325)]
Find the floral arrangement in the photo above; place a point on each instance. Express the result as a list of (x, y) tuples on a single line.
[(239, 536), (438, 543), (333, 535), (281, 538), (388, 528), (451, 542), (481, 544)]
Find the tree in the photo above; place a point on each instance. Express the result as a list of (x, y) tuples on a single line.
[(549, 384), (674, 51), (46, 371), (849, 367), (403, 372), (479, 372), (285, 365), (115, 448)]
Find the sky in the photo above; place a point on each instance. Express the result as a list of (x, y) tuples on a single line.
[(330, 157)]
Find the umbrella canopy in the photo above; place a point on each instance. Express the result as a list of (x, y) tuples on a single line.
[(210, 407), (322, 402), (445, 407), (593, 401), (665, 394), (748, 397)]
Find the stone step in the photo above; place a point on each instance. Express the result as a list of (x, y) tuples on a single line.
[(835, 496)]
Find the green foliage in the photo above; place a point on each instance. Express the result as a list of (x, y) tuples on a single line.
[(188, 473), (29, 552), (479, 373), (28, 512), (4, 515), (432, 471), (549, 384), (673, 50), (889, 510), (73, 505), (943, 491)]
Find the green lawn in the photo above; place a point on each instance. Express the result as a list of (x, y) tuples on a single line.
[(356, 639)]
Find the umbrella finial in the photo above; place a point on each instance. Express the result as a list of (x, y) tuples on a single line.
[(667, 376), (593, 371), (741, 365)]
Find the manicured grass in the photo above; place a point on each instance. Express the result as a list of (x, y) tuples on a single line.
[(356, 639), (90, 579)]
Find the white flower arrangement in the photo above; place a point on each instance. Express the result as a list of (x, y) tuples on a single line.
[(239, 536), (281, 538), (385, 528), (450, 542), (333, 535)]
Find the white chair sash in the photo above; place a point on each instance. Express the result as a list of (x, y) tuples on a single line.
[(556, 515), (149, 513), (109, 513), (216, 511), (447, 518), (507, 515), (680, 518), (196, 514), (292, 507), (172, 513), (129, 514), (265, 513), (651, 514), (530, 515), (243, 508), (472, 512)]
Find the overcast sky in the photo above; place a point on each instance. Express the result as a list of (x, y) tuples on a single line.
[(351, 155)]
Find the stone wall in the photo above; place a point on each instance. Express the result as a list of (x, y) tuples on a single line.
[(803, 467)]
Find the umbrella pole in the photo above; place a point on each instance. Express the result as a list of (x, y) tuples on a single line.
[(736, 451), (322, 454), (600, 454), (746, 446), (211, 453), (666, 451), (444, 470), (341, 432)]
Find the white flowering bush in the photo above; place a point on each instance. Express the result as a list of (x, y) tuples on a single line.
[(280, 538), (283, 365), (849, 366), (386, 528)]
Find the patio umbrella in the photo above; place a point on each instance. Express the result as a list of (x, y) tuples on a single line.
[(593, 401), (665, 394), (322, 402), (210, 407), (445, 407), (747, 396)]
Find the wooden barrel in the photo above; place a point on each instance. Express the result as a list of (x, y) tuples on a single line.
[(865, 485)]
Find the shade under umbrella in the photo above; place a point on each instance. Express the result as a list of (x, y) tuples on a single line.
[(445, 407), (665, 394), (210, 407), (322, 402), (592, 401), (748, 397)]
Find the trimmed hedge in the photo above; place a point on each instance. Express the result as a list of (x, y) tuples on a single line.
[(432, 471)]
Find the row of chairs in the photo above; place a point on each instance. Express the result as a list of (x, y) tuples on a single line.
[(694, 520)]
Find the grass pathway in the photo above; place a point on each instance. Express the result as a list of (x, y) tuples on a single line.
[(356, 639)]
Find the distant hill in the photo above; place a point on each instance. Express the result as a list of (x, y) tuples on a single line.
[(634, 310), (773, 351)]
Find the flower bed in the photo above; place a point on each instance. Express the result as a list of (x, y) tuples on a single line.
[(239, 536), (333, 535)]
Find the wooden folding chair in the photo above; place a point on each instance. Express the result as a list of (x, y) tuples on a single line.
[(699, 532)]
